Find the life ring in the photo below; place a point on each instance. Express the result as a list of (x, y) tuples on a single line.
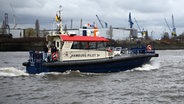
[(54, 56), (149, 48)]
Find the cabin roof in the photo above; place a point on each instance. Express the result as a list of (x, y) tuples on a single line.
[(83, 38)]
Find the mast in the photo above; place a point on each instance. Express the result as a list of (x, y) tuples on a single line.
[(59, 20)]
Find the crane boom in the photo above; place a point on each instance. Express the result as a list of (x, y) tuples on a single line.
[(167, 25), (99, 21), (137, 24)]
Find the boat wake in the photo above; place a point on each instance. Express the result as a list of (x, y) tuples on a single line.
[(69, 73), (12, 72), (147, 67)]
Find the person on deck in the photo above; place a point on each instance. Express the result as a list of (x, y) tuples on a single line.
[(54, 52), (45, 49), (53, 48)]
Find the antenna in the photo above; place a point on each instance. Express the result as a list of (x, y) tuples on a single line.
[(81, 23), (71, 26)]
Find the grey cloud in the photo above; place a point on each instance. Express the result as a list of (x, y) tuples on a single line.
[(149, 13), (146, 6)]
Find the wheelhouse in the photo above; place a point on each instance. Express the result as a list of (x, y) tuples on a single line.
[(79, 47)]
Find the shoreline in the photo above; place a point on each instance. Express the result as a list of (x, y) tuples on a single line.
[(37, 43)]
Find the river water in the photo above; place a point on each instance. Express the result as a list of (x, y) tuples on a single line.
[(160, 82)]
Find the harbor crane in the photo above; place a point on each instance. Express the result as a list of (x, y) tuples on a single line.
[(5, 27), (14, 17), (167, 25), (137, 25), (143, 32), (173, 27), (130, 20), (173, 31), (106, 25)]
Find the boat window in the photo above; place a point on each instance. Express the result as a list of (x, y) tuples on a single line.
[(80, 45), (92, 45), (53, 42), (101, 45), (61, 44), (57, 45), (89, 45)]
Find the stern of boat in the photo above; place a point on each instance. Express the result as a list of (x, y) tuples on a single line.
[(34, 64)]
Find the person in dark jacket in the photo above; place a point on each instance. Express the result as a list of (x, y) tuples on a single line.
[(53, 48)]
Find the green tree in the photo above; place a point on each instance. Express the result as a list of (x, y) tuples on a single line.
[(165, 35), (30, 32), (45, 32)]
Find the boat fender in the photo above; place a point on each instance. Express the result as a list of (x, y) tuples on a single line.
[(149, 48), (109, 50), (54, 56)]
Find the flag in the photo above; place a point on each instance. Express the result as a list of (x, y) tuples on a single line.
[(57, 18)]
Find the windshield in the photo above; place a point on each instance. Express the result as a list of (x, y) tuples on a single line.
[(89, 45)]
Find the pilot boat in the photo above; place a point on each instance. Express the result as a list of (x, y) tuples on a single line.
[(85, 53)]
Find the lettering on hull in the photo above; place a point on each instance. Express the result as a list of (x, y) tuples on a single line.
[(85, 55)]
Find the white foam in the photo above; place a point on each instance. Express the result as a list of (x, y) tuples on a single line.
[(11, 71), (49, 73), (151, 66), (68, 72)]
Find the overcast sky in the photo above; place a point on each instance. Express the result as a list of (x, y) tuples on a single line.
[(150, 14)]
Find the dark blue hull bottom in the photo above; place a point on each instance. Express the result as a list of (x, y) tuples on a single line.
[(95, 66), (103, 67)]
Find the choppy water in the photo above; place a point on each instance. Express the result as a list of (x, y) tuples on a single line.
[(161, 81)]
